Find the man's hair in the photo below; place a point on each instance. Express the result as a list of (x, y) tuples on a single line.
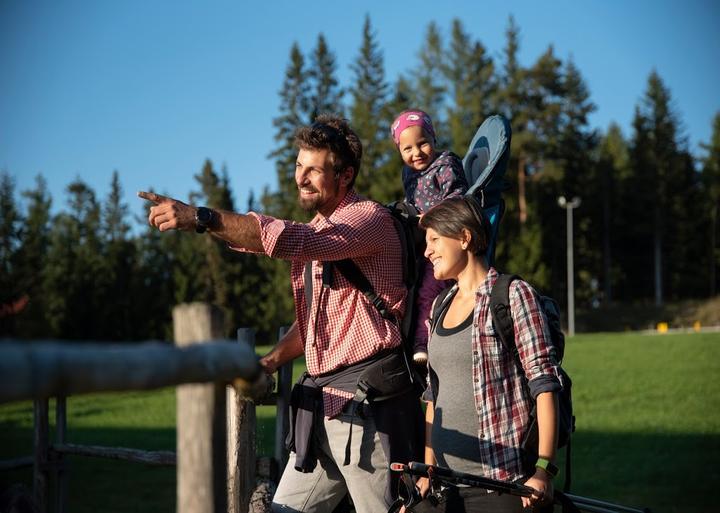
[(333, 133), (452, 215)]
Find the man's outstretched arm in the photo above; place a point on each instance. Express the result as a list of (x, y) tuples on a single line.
[(170, 214)]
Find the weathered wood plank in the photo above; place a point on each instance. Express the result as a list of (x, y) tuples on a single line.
[(16, 463), (241, 441), (41, 443), (201, 419), (61, 474), (282, 420), (158, 458), (46, 369)]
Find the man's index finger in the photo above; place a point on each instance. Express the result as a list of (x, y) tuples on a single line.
[(151, 196)]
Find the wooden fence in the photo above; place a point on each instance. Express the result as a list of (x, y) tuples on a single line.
[(217, 382)]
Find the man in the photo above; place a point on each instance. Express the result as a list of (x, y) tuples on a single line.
[(342, 442)]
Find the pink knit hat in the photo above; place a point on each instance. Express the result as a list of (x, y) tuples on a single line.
[(411, 118)]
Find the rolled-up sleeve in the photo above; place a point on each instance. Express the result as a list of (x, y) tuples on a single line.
[(325, 239), (535, 348), (270, 230)]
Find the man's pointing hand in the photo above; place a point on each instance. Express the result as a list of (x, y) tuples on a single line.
[(168, 213)]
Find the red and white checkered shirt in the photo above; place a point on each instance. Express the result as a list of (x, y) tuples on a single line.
[(342, 327)]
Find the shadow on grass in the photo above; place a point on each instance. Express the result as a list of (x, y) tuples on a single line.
[(112, 486), (665, 472), (670, 473)]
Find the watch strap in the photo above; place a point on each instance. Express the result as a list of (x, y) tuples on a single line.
[(548, 466)]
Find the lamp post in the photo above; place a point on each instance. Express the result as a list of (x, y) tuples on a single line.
[(569, 206)]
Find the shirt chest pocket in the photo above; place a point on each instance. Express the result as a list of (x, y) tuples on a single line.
[(490, 343)]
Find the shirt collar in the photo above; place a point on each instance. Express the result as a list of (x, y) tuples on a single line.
[(350, 197), (486, 286)]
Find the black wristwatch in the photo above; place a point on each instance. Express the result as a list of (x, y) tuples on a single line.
[(204, 218)]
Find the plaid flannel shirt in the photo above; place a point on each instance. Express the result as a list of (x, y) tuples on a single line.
[(502, 400), (341, 327)]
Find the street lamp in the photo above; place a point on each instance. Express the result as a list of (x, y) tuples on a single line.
[(569, 206)]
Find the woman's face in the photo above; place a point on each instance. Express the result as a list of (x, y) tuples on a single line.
[(446, 255)]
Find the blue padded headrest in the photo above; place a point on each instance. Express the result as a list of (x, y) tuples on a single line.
[(486, 148), (476, 162)]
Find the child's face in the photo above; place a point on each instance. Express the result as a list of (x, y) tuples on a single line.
[(416, 148)]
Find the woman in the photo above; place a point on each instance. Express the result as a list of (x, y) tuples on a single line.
[(480, 399)]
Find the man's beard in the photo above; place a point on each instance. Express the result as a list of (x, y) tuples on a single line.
[(308, 204), (314, 204)]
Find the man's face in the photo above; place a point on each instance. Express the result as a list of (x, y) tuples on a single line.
[(319, 188)]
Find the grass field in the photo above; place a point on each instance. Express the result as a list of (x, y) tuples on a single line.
[(648, 429)]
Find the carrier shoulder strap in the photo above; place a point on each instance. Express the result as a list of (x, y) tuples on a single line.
[(354, 275), (440, 305), (500, 311)]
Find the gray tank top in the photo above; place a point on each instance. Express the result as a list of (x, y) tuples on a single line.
[(455, 428)]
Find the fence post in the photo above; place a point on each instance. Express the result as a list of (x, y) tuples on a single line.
[(201, 436), (61, 474), (241, 441), (40, 466), (282, 420)]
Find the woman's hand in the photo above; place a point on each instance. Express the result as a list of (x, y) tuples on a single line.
[(541, 482), (423, 486)]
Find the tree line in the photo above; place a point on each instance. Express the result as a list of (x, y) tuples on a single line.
[(646, 230)]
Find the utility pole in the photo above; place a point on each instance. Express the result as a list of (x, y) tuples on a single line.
[(569, 206)]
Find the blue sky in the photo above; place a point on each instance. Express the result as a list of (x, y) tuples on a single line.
[(153, 88)]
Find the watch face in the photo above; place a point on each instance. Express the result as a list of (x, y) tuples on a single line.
[(203, 216)]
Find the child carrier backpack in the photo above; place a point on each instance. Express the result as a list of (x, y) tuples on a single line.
[(484, 164), (412, 242)]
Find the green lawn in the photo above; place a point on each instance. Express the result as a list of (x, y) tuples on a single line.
[(648, 429)]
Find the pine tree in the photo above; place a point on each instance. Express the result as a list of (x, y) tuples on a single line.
[(612, 166), (711, 184), (154, 271), (118, 264), (369, 119), (579, 175), (294, 105), (74, 265), (326, 94), (657, 162), (430, 88), (469, 72), (513, 103), (10, 222), (32, 260)]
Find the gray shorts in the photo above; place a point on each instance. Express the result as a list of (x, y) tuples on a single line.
[(365, 477)]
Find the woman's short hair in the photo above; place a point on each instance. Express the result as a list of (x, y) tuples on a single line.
[(453, 215)]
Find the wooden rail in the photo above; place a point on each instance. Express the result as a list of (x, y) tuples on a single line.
[(215, 457)]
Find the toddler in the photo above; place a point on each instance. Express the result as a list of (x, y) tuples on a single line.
[(428, 176)]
